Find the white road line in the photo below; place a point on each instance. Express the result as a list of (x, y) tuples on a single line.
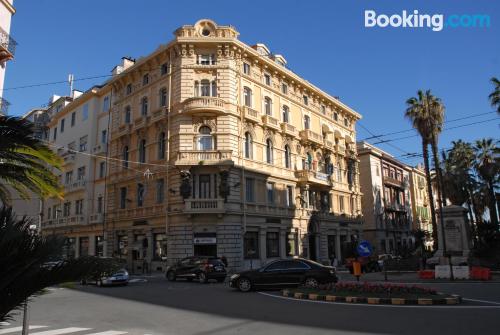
[(109, 332), (17, 329), (61, 331), (374, 305), (483, 301)]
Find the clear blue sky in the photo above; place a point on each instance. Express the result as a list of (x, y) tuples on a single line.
[(372, 70)]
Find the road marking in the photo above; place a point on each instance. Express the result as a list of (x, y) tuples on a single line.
[(61, 331), (109, 332), (374, 305), (483, 301), (17, 329)]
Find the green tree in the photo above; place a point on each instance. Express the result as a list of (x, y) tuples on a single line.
[(426, 114), (23, 262), (495, 95), (488, 169), (25, 162)]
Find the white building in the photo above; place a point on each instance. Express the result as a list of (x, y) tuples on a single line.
[(7, 46)]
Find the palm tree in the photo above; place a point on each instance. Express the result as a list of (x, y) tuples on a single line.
[(495, 95), (425, 113), (488, 169), (25, 162), (23, 263)]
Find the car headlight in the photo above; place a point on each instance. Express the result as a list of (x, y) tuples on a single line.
[(233, 277), (332, 272)]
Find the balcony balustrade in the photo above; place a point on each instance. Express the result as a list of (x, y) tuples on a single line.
[(311, 176), (270, 122), (311, 136), (340, 149), (393, 182), (204, 157), (210, 104), (75, 186), (139, 212), (251, 114), (202, 206), (329, 145), (7, 46), (288, 129)]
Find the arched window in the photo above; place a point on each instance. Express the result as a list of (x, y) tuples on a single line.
[(205, 88), (247, 96), (205, 138), (286, 114), (163, 97), (307, 122), (125, 156), (144, 106), (161, 145), (248, 145), (268, 106), (288, 157), (145, 79), (269, 151), (140, 195), (142, 151)]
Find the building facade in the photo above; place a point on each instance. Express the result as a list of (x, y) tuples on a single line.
[(7, 46), (420, 204), (219, 149), (78, 132), (387, 206)]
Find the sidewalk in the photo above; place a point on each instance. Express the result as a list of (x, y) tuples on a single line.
[(407, 277)]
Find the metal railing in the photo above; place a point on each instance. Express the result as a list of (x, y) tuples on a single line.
[(4, 106), (7, 42)]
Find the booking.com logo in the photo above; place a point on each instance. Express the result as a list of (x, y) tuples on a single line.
[(437, 22)]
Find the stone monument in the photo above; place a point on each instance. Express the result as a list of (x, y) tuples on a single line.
[(457, 235)]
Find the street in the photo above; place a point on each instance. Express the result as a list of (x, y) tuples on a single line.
[(155, 306)]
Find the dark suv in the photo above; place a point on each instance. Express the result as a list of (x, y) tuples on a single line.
[(198, 267)]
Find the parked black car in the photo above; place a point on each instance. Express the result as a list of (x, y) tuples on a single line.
[(284, 273), (196, 267)]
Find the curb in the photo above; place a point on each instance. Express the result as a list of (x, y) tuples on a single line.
[(453, 300)]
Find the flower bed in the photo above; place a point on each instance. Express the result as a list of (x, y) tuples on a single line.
[(374, 293)]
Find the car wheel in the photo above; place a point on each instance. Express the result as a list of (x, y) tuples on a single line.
[(311, 282), (244, 284), (202, 277), (171, 276), (99, 283)]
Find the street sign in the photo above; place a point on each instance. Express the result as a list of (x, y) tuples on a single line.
[(364, 249)]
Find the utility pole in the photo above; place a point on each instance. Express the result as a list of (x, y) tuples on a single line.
[(71, 79)]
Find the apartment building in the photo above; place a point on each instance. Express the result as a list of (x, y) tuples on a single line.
[(420, 203), (225, 151), (387, 206), (78, 132), (7, 47)]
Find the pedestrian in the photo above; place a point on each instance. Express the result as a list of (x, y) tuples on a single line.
[(224, 260)]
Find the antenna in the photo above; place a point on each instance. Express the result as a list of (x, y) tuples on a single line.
[(71, 78)]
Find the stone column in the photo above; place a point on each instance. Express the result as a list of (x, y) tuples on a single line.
[(262, 244), (283, 242), (92, 245)]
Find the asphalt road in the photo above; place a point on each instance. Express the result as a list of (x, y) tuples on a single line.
[(160, 307)]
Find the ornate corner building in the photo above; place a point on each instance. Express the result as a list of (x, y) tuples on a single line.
[(217, 148)]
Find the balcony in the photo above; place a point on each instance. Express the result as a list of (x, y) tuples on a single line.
[(77, 219), (124, 129), (141, 121), (268, 209), (4, 106), (7, 46), (206, 104), (159, 113), (394, 182), (310, 176), (99, 149), (251, 114), (310, 136), (69, 157), (329, 145), (97, 218), (270, 122), (204, 157), (394, 206), (288, 129), (340, 149), (75, 186), (204, 206)]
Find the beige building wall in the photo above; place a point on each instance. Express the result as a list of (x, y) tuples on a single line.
[(420, 203), (78, 132), (220, 195), (7, 46)]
